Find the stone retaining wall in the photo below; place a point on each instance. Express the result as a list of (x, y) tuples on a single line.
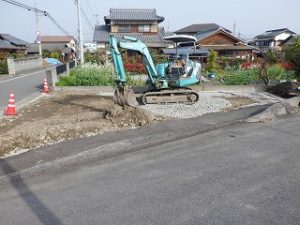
[(16, 66)]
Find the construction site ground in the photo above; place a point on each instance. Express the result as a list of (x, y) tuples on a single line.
[(66, 115)]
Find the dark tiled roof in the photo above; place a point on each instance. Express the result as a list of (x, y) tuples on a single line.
[(273, 33), (133, 15), (5, 45), (195, 28), (13, 40), (201, 35), (101, 35)]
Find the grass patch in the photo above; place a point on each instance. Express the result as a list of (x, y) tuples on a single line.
[(95, 76)]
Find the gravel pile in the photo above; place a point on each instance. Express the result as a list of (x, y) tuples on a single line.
[(209, 102)]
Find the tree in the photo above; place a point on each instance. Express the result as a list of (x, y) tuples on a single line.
[(212, 61), (273, 56), (292, 55), (55, 55)]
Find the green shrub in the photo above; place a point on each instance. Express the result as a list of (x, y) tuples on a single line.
[(95, 76), (276, 72), (54, 55), (212, 61), (88, 76), (66, 81), (92, 76), (292, 54), (98, 57), (238, 77), (46, 53), (3, 67)]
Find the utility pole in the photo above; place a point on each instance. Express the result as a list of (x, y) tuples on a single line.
[(234, 27), (80, 32), (38, 34)]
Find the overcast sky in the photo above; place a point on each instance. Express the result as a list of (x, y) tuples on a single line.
[(251, 17)]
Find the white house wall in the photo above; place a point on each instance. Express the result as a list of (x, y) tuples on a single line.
[(282, 36)]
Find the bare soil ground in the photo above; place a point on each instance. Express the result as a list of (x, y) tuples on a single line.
[(67, 115), (237, 102)]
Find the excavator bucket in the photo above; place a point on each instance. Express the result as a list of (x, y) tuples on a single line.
[(125, 97)]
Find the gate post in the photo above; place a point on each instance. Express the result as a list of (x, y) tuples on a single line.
[(52, 78)]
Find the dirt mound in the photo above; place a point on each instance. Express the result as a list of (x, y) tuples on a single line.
[(67, 115), (285, 90)]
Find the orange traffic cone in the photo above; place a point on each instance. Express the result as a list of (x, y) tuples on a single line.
[(46, 88), (11, 108)]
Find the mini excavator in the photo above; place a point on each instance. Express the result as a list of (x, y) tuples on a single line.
[(167, 82)]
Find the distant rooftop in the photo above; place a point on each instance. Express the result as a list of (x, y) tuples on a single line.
[(133, 15), (273, 33), (5, 45), (13, 40), (201, 27), (56, 38)]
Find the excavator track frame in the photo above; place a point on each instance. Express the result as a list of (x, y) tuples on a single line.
[(164, 96)]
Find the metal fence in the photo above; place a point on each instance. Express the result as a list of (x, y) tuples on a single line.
[(61, 69), (71, 64)]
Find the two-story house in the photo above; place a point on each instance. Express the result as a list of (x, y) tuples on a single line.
[(139, 23), (272, 39)]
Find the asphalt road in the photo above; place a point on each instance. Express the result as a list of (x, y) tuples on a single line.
[(236, 174), (22, 86)]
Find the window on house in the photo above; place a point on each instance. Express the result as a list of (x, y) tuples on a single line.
[(144, 28), (124, 28)]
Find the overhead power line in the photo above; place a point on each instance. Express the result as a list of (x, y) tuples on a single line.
[(85, 16), (89, 6), (36, 10)]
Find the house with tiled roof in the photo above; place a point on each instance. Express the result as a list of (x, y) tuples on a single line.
[(272, 39), (214, 37), (10, 44), (139, 23), (65, 45), (57, 42), (225, 43)]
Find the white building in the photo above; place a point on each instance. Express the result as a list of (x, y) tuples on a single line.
[(271, 39)]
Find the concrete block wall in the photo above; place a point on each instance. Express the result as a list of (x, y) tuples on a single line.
[(16, 66)]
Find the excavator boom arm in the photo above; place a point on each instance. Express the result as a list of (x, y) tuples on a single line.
[(117, 60), (132, 44)]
